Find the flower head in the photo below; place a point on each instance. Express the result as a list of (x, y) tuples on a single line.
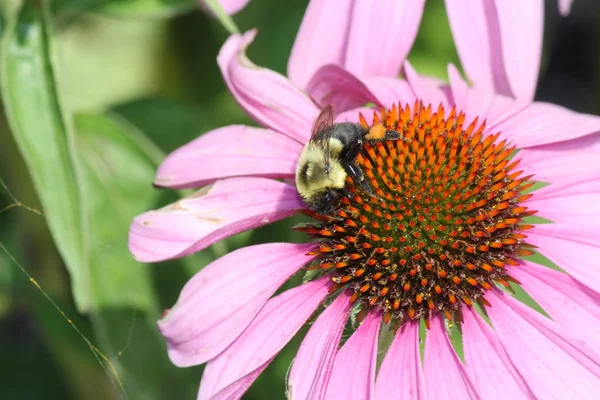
[(445, 220), (446, 228)]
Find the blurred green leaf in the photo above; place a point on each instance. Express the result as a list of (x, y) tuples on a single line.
[(139, 354), (146, 8), (69, 8), (168, 122), (119, 164), (2, 20), (32, 105), (171, 123)]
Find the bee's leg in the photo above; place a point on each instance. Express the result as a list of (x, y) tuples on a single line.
[(366, 187), (359, 177), (394, 135), (391, 135)]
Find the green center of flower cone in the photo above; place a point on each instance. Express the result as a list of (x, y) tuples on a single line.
[(443, 222)]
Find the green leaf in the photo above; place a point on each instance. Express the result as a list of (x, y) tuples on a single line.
[(139, 355), (32, 105), (119, 165), (69, 8), (168, 122), (146, 8)]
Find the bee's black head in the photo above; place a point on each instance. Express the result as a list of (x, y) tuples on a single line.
[(326, 202)]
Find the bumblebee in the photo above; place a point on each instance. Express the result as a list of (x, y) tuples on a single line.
[(330, 157)]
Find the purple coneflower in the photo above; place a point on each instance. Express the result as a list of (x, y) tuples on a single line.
[(444, 236)]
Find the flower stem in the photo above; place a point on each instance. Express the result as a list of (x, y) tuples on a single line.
[(225, 19)]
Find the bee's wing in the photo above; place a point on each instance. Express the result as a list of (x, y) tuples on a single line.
[(319, 135)]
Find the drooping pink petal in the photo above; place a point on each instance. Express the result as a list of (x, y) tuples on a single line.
[(380, 36), (234, 150), (313, 364), (573, 247), (487, 363), (573, 201), (564, 7), (499, 43), (332, 84), (563, 298), (484, 104), (476, 32), (401, 375), (213, 213), (229, 6), (427, 90), (219, 302), (445, 375), (353, 375), (562, 161), (270, 98), (274, 326), (321, 40), (544, 123), (553, 363), (389, 91), (521, 32)]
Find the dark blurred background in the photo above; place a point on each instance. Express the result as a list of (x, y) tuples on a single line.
[(156, 74)]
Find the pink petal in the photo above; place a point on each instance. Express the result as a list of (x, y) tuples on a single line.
[(484, 104), (445, 376), (429, 91), (321, 40), (353, 375), (274, 326), (213, 213), (401, 374), (332, 84), (312, 366), (487, 363), (499, 43), (476, 31), (389, 91), (234, 150), (552, 362), (544, 123), (521, 31), (570, 201), (527, 125), (573, 248), (219, 302), (237, 389), (380, 36), (564, 7), (563, 298), (229, 6), (562, 161), (267, 96)]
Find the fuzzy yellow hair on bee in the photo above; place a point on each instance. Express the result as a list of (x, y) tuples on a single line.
[(329, 158)]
